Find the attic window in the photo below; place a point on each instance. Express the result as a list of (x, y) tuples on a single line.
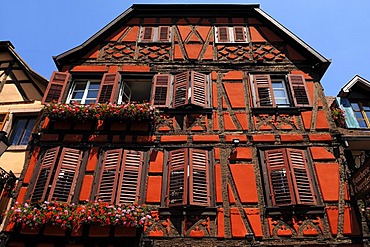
[(155, 34), (226, 34), (362, 113)]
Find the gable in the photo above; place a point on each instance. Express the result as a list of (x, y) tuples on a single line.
[(17, 81), (193, 38)]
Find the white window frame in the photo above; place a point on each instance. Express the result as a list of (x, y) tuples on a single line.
[(231, 34), (122, 96), (86, 91), (284, 89)]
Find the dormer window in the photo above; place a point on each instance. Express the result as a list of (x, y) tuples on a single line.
[(362, 113), (155, 34), (236, 34)]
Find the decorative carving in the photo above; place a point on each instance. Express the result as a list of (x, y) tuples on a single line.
[(234, 52), (155, 52), (270, 122), (119, 51), (267, 53)]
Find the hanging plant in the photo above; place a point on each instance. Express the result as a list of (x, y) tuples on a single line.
[(71, 216), (128, 111), (338, 116)]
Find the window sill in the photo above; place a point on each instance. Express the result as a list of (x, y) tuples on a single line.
[(187, 210), (17, 148), (186, 110), (295, 210), (279, 110)]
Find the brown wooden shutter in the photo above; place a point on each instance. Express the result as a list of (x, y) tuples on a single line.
[(108, 88), (66, 175), (177, 177), (109, 176), (223, 34), (239, 34), (301, 177), (279, 178), (198, 89), (161, 90), (147, 34), (263, 90), (164, 34), (3, 119), (56, 87), (44, 175), (130, 177), (299, 90), (180, 89), (199, 193)]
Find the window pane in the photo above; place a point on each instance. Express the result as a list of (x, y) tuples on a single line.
[(279, 94), (92, 94), (277, 84), (77, 95), (358, 115), (281, 102), (80, 86), (17, 132), (28, 132), (362, 123), (94, 85), (355, 106), (366, 108), (89, 101)]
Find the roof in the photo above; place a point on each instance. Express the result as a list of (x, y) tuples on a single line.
[(7, 45), (354, 81), (204, 10)]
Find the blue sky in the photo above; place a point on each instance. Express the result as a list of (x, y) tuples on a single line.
[(339, 30)]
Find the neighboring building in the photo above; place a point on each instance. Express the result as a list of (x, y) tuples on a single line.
[(21, 91), (246, 154), (354, 100)]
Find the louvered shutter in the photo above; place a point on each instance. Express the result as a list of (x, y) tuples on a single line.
[(177, 177), (180, 89), (161, 90), (301, 177), (263, 91), (108, 88), (199, 193), (298, 87), (279, 177), (56, 87), (239, 34), (109, 176), (164, 34), (44, 175), (66, 175), (129, 181), (198, 89), (223, 34), (147, 34)]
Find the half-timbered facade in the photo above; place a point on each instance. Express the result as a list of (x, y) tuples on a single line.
[(243, 153), (21, 91)]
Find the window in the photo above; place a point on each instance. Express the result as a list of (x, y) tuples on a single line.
[(22, 130), (237, 34), (188, 178), (279, 90), (155, 34), (57, 177), (120, 176), (94, 89), (135, 89), (362, 113), (288, 177), (84, 91)]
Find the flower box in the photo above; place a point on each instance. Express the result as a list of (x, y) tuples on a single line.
[(53, 230), (99, 231), (125, 231), (30, 230)]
